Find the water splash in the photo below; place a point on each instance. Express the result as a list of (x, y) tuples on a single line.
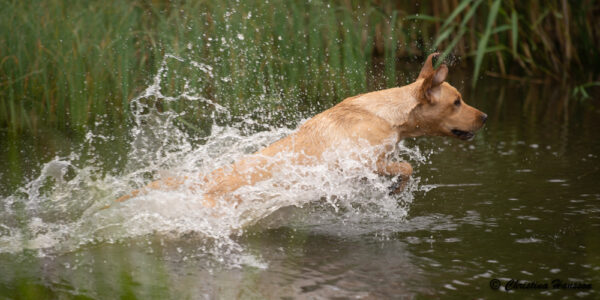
[(71, 202)]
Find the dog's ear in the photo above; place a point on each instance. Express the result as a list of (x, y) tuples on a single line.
[(440, 75), (431, 82), (428, 66)]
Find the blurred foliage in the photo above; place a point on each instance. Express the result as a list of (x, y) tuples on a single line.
[(70, 64), (559, 40)]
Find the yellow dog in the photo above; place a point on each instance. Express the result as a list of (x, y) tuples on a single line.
[(428, 106)]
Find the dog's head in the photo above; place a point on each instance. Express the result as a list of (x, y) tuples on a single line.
[(442, 110)]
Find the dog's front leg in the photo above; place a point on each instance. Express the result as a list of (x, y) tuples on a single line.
[(395, 168)]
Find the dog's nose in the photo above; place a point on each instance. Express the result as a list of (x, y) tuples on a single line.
[(483, 118)]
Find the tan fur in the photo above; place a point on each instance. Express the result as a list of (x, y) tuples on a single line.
[(382, 118)]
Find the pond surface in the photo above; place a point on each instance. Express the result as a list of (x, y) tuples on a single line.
[(520, 201)]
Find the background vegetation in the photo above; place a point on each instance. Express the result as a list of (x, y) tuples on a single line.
[(68, 64)]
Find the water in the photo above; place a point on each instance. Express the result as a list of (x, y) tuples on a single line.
[(520, 201)]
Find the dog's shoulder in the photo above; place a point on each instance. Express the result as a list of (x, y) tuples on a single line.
[(392, 105)]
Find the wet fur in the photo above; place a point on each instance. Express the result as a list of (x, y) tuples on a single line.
[(382, 118)]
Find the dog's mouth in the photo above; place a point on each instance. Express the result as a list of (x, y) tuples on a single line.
[(463, 135)]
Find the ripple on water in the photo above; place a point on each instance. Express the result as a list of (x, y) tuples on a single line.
[(529, 240)]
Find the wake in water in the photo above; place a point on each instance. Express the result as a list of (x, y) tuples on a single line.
[(71, 203)]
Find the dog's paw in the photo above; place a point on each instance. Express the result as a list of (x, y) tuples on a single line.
[(397, 186)]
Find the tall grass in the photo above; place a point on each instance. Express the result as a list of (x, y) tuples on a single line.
[(557, 40), (68, 64)]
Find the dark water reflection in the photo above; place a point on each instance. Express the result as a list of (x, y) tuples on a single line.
[(521, 201)]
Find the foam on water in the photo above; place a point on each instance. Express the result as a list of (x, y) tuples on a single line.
[(71, 202)]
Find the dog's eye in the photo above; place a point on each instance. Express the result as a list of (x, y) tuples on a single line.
[(457, 102)]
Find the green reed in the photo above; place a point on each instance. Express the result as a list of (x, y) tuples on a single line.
[(69, 64), (554, 40)]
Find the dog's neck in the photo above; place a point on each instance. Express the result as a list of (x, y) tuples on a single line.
[(395, 106)]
